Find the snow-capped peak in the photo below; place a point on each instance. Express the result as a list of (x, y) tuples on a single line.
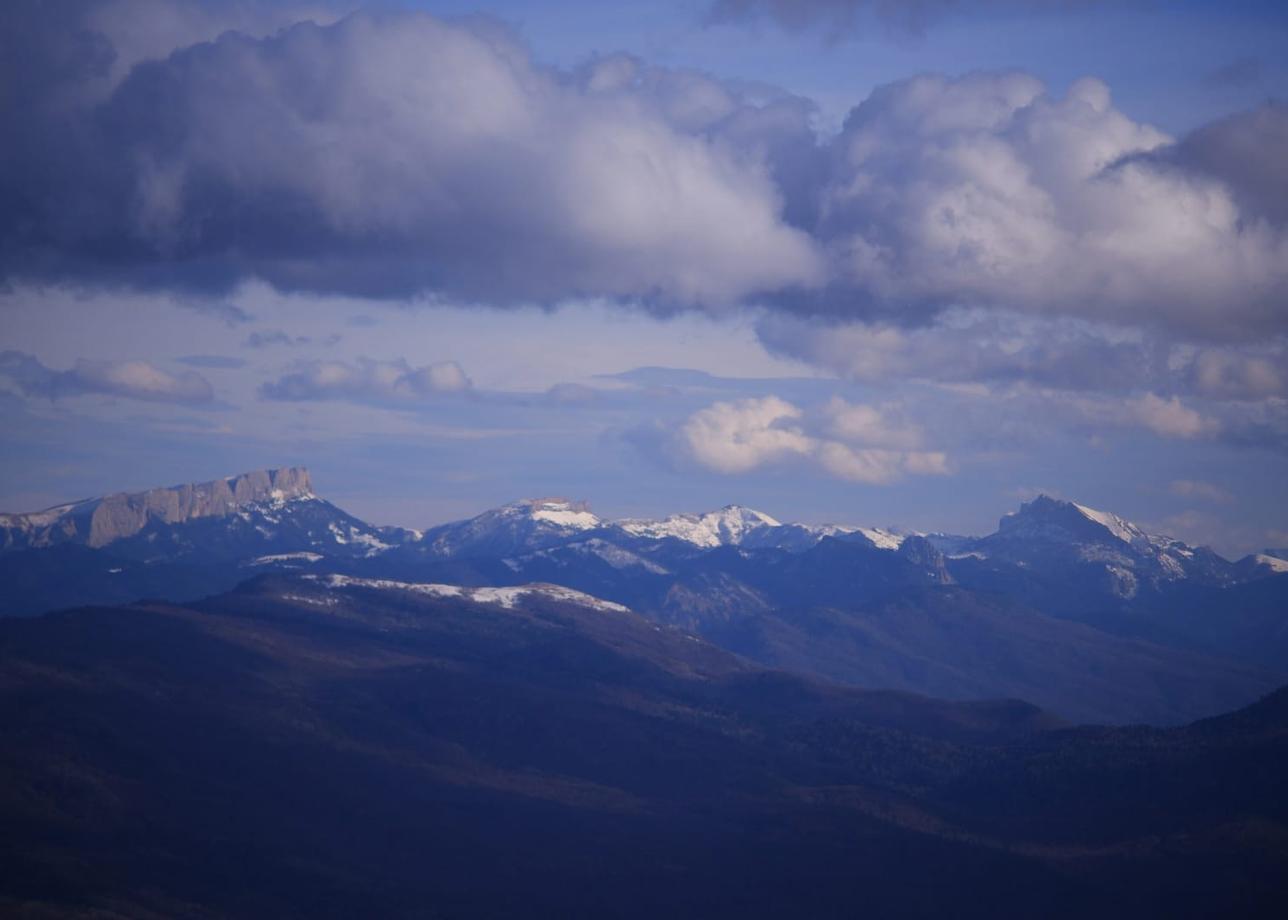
[(1066, 521), (563, 513), (1122, 529), (725, 527), (521, 526), (1047, 528)]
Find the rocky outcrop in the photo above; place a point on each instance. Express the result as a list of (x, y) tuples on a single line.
[(101, 521), (920, 551)]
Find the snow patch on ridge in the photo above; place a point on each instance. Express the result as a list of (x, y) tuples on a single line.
[(1275, 564), (1123, 530), (565, 517), (507, 597), (881, 538), (286, 557)]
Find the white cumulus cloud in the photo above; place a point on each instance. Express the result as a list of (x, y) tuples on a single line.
[(848, 441)]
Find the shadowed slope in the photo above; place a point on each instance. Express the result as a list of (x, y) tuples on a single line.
[(299, 749)]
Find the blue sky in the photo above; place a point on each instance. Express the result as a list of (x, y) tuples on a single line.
[(1175, 64), (646, 256)]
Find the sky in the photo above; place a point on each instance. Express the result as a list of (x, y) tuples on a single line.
[(858, 261)]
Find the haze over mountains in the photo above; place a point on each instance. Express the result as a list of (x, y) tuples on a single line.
[(1076, 610)]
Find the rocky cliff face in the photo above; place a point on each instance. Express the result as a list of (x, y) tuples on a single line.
[(98, 522), (124, 515), (920, 551)]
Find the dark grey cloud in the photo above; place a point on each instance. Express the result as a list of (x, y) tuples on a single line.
[(385, 382), (265, 338), (396, 154), (975, 347), (1248, 154), (130, 379), (1005, 350)]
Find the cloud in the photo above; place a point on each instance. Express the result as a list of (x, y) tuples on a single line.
[(437, 159), (869, 425), (130, 379), (269, 337), (1243, 152), (1243, 374), (572, 394), (738, 437), (423, 156), (1194, 488), (1165, 417), (986, 191), (222, 362), (1005, 351), (1204, 528), (878, 467), (367, 381), (1244, 71), (968, 347), (971, 230), (838, 19)]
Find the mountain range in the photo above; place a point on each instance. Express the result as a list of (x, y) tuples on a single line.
[(1074, 609), (258, 705)]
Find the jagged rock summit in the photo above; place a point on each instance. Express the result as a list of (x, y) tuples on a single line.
[(97, 522), (1049, 532), (1053, 520)]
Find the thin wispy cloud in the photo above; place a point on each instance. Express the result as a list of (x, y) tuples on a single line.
[(367, 380), (129, 379)]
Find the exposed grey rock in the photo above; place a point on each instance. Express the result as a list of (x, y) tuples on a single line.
[(920, 551), (98, 522)]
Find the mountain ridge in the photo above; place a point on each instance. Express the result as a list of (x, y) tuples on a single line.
[(1138, 627), (97, 522)]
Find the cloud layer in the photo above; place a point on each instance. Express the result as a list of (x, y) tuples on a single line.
[(398, 155)]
